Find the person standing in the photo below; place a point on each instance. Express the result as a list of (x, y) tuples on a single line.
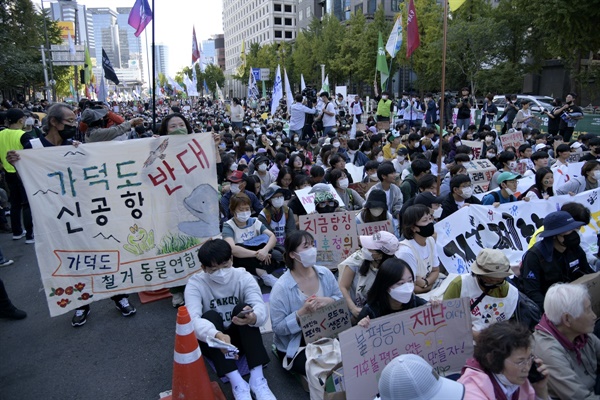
[(489, 111), (328, 114), (570, 113), (384, 105), (298, 113), (357, 109), (463, 118), (236, 113)]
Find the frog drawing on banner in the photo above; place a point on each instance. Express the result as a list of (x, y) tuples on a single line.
[(139, 240)]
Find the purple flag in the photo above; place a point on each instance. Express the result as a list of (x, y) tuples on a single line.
[(140, 16)]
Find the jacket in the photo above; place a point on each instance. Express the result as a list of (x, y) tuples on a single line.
[(107, 134), (566, 378), (450, 207), (576, 184), (409, 187), (478, 386)]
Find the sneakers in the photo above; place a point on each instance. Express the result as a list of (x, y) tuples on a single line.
[(21, 236), (242, 392), (269, 280), (30, 241), (177, 300), (80, 317), (125, 308), (6, 263), (261, 390), (13, 313)]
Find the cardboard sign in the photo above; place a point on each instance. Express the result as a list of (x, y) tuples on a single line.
[(441, 335), (481, 173), (592, 282), (335, 234), (355, 171), (326, 322), (370, 228), (308, 199), (476, 147), (514, 139)]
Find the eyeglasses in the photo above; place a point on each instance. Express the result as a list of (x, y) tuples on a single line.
[(325, 204), (526, 362)]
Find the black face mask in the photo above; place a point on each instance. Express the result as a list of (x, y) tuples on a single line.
[(597, 150), (427, 230), (326, 209), (68, 132), (571, 240), (488, 286)]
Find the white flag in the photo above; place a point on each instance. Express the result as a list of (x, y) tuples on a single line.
[(277, 91), (288, 92), (302, 84), (252, 88), (395, 40), (325, 86), (219, 93), (71, 44), (175, 85), (190, 86)]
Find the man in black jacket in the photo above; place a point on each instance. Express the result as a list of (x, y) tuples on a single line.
[(461, 194)]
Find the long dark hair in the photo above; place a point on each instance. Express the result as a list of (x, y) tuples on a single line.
[(389, 273), (292, 242), (539, 179)]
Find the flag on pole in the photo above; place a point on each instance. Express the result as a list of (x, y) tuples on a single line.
[(140, 16), (302, 83), (206, 91), (219, 92), (412, 30), (289, 96), (102, 90), (87, 66), (277, 91), (252, 88), (71, 44), (194, 76), (109, 71), (195, 48), (242, 67), (395, 40), (72, 89), (382, 66), (455, 4), (174, 84), (190, 87), (325, 85)]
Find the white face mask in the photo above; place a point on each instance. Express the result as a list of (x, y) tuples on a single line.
[(437, 213), (488, 139), (377, 211), (296, 138), (466, 192), (336, 144), (374, 177), (402, 293), (243, 216), (308, 257), (366, 254), (380, 159), (509, 191), (262, 167), (221, 276), (401, 158), (277, 202), (233, 167), (384, 97), (597, 175), (235, 188), (343, 183), (490, 155)]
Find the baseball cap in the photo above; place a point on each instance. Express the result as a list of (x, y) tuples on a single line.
[(492, 263), (376, 199), (236, 177), (558, 222), (382, 241), (271, 191), (428, 199), (14, 114), (507, 176), (91, 115), (409, 376)]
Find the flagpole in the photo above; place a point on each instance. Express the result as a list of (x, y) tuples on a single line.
[(443, 100), (153, 71), (147, 55)]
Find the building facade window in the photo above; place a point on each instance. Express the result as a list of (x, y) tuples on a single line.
[(277, 34), (288, 35), (288, 8), (371, 6), (277, 7), (288, 22), (277, 20)]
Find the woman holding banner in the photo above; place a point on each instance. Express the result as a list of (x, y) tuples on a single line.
[(301, 290), (542, 188), (588, 180)]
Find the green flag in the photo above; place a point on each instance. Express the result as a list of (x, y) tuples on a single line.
[(87, 67), (382, 66)]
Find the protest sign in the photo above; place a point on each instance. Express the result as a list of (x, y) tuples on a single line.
[(119, 217), (441, 335), (308, 199), (592, 283), (327, 321), (335, 234), (508, 227), (370, 228), (355, 171), (514, 139), (476, 147), (480, 172)]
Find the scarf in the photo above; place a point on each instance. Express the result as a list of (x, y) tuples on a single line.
[(576, 345), (498, 392)]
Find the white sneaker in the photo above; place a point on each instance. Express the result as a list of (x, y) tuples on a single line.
[(269, 280), (21, 236), (177, 299), (262, 391), (242, 392)]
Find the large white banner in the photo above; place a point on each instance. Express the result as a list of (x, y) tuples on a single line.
[(508, 227), (120, 217)]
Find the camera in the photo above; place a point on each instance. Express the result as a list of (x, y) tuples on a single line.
[(311, 96)]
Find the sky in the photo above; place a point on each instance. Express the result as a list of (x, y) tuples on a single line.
[(174, 20)]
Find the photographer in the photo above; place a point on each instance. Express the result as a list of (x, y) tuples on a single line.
[(298, 116), (104, 125), (463, 118), (569, 114)]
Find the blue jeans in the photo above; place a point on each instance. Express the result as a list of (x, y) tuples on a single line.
[(463, 123), (327, 129)]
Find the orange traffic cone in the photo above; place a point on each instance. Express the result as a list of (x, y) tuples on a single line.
[(190, 379)]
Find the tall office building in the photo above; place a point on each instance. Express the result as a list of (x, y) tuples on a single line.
[(220, 50), (308, 10), (161, 59), (106, 32), (132, 56), (254, 21), (209, 54), (70, 11)]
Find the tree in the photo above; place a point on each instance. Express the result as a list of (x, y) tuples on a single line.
[(213, 75)]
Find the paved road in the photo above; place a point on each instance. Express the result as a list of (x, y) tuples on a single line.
[(111, 357)]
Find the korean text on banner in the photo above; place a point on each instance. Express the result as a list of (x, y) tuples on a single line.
[(481, 173), (119, 217), (308, 199), (335, 234), (514, 139), (327, 321), (441, 335), (371, 228)]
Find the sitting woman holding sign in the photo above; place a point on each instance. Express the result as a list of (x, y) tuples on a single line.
[(301, 290), (392, 291)]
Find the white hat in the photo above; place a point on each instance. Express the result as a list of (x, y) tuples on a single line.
[(539, 146), (409, 376), (382, 241)]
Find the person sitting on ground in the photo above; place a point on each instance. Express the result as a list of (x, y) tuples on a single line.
[(387, 177), (461, 195), (507, 162), (392, 291), (542, 188), (588, 180), (557, 258), (238, 185), (501, 363), (303, 289), (252, 243), (208, 296), (506, 194), (276, 216), (359, 270), (564, 340), (350, 197)]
